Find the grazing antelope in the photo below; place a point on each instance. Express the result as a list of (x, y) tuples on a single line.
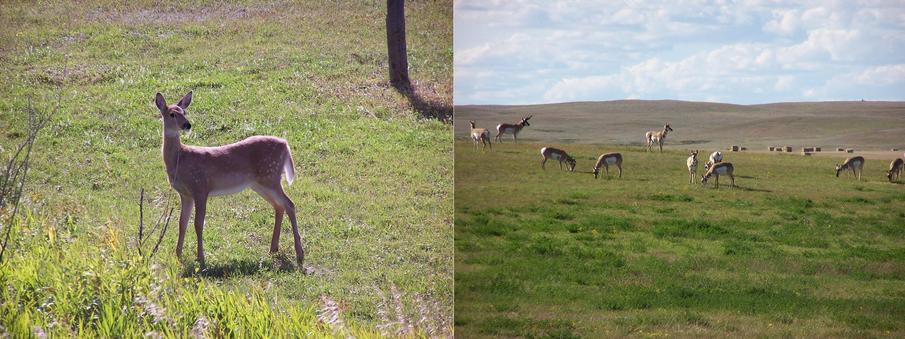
[(657, 137), (481, 135), (895, 169), (198, 173), (510, 128), (715, 157), (854, 164), (556, 154), (692, 164), (723, 168), (607, 159)]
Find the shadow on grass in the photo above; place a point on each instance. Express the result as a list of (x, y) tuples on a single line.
[(428, 107), (243, 267)]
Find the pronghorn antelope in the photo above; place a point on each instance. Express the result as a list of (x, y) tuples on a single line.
[(607, 159), (198, 173), (723, 168), (854, 164), (511, 128), (480, 135), (715, 157), (657, 137), (558, 155), (692, 164), (895, 169)]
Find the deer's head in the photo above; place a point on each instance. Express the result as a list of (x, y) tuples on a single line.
[(667, 127), (571, 162), (174, 115), (472, 123), (694, 153), (889, 174), (838, 169), (524, 121)]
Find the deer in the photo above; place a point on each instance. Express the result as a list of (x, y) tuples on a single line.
[(895, 169), (556, 154), (198, 173), (715, 157), (723, 168), (657, 137), (854, 164), (607, 159), (692, 163), (511, 128), (481, 135)]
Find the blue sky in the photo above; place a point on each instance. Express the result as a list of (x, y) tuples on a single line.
[(746, 52)]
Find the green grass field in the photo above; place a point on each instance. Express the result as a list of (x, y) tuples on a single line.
[(374, 178), (793, 251)]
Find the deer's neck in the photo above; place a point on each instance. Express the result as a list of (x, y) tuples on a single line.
[(172, 148)]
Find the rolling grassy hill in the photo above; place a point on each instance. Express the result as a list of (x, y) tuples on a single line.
[(861, 125), (793, 251), (374, 178)]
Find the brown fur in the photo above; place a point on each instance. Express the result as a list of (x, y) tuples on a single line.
[(197, 173), (601, 162)]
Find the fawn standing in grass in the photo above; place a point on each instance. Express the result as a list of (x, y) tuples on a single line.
[(198, 173)]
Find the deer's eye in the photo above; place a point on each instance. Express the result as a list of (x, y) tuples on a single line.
[(172, 115)]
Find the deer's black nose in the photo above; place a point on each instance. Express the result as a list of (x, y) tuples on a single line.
[(187, 126)]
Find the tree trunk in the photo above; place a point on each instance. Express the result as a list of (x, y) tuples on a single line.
[(399, 66)]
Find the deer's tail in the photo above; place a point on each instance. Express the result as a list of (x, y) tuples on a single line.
[(289, 166)]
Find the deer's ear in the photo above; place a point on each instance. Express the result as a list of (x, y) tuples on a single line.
[(161, 102), (185, 101)]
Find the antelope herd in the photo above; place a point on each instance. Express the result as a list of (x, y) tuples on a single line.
[(714, 167)]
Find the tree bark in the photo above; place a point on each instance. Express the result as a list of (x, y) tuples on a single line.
[(399, 67)]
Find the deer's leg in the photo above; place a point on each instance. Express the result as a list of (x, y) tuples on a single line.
[(543, 164), (200, 211), (514, 138), (731, 181), (278, 210), (619, 166), (186, 205), (290, 209)]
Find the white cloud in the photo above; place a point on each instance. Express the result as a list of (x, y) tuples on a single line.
[(746, 51), (784, 22), (882, 75)]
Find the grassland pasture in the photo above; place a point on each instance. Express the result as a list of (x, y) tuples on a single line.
[(792, 251)]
